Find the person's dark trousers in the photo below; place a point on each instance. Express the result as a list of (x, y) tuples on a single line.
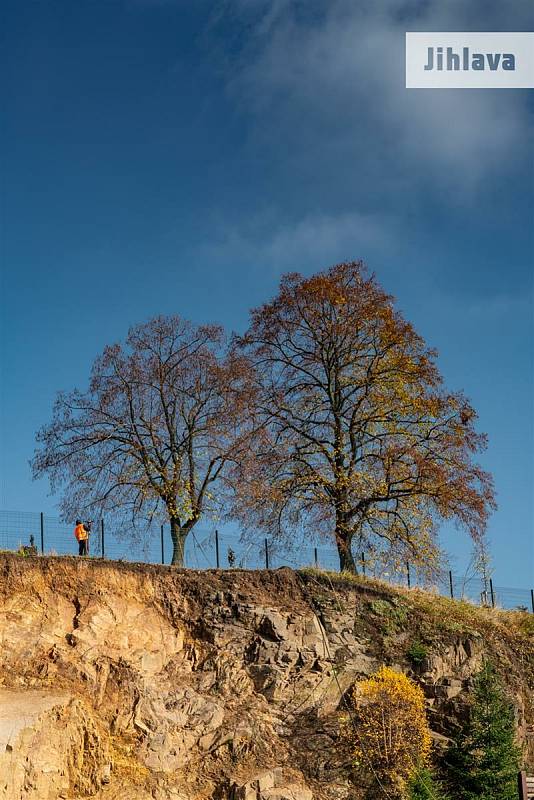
[(82, 549)]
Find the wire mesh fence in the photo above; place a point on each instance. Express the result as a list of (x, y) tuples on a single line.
[(210, 548)]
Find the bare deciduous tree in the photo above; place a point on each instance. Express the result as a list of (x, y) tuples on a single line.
[(163, 417)]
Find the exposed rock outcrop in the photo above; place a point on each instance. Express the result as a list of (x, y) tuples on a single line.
[(49, 746), (135, 681)]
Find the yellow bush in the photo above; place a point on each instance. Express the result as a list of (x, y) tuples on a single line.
[(389, 730)]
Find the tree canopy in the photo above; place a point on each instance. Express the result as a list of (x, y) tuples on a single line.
[(164, 415), (328, 417), (360, 438)]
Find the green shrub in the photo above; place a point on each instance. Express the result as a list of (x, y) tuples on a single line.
[(417, 653), (393, 615), (424, 786)]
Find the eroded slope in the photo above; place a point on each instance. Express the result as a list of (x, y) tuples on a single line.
[(150, 682)]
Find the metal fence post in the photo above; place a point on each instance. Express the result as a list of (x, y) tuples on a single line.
[(490, 596)]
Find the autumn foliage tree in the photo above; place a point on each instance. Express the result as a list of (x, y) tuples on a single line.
[(360, 440), (164, 415), (388, 730)]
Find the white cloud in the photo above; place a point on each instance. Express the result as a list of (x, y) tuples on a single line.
[(311, 243), (333, 79)]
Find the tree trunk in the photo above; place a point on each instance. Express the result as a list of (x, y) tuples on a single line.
[(178, 537), (346, 559), (344, 534)]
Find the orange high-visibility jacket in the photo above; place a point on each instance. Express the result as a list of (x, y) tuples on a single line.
[(80, 533)]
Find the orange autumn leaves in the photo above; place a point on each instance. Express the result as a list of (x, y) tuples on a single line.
[(359, 437), (327, 418)]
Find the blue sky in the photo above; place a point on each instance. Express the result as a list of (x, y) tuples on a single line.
[(164, 156)]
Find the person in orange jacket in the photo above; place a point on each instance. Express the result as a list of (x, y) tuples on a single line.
[(82, 537)]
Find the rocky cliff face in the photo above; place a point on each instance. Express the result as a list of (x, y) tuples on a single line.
[(133, 681)]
